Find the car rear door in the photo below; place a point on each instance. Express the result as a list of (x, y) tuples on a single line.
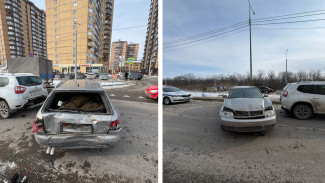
[(318, 98), (32, 85)]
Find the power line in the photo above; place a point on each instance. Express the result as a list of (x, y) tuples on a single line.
[(290, 14), (207, 33), (307, 59), (205, 41), (204, 38), (285, 28), (298, 21), (288, 17), (130, 27)]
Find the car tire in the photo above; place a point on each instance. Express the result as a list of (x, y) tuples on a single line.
[(166, 101), (302, 111), (4, 110)]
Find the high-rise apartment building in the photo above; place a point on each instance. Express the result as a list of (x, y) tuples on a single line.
[(85, 25), (132, 50), (150, 55), (118, 51), (22, 30)]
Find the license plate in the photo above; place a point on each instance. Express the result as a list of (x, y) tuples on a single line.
[(69, 128), (187, 98)]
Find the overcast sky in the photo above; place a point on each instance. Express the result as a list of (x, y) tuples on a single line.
[(230, 54), (127, 13)]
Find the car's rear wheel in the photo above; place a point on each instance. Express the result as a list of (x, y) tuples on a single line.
[(302, 111), (166, 101), (4, 110)]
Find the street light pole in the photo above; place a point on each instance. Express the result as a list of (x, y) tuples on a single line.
[(286, 66), (250, 41), (75, 64)]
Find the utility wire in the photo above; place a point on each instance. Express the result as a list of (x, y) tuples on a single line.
[(207, 33), (285, 28), (130, 27), (290, 14), (254, 21), (307, 59), (205, 38), (298, 21), (204, 41)]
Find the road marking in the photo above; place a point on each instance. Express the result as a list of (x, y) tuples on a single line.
[(126, 96), (112, 95), (140, 97)]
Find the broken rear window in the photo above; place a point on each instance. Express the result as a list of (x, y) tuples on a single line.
[(78, 102)]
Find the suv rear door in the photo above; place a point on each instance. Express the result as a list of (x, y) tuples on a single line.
[(318, 98), (32, 85)]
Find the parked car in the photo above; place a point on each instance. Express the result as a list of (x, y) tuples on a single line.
[(265, 89), (19, 90), (96, 75), (246, 110), (303, 99), (103, 76), (81, 76), (69, 76), (59, 76), (135, 75), (173, 95), (77, 116), (91, 76), (217, 88), (152, 92)]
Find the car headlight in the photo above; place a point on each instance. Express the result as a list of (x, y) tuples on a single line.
[(226, 114), (269, 113)]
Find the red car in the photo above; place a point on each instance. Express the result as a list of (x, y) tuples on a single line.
[(152, 92)]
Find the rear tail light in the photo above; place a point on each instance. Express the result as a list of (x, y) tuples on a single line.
[(38, 125), (285, 94), (20, 89), (115, 125)]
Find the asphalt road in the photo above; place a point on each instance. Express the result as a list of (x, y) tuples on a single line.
[(134, 92), (133, 159), (196, 149)]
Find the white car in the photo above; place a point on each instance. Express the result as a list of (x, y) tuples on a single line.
[(246, 110), (16, 90), (302, 99), (91, 76), (103, 76), (172, 95)]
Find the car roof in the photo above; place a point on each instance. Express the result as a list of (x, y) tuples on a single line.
[(16, 74), (309, 82), (237, 87), (82, 84)]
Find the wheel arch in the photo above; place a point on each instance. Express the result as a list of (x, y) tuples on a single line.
[(304, 103)]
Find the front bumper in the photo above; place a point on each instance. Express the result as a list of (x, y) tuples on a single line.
[(248, 125), (73, 141), (180, 99)]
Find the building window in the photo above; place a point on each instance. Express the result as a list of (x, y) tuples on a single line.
[(56, 62), (75, 12), (55, 9), (75, 4), (74, 27), (74, 41), (74, 55), (74, 20), (55, 1), (55, 16), (74, 34), (56, 37), (56, 30), (56, 49), (56, 43), (55, 23), (56, 56)]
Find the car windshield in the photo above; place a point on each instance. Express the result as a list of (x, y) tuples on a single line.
[(245, 93), (103, 74), (29, 80), (171, 89)]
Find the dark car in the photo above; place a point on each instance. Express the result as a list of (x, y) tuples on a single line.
[(59, 76), (265, 89), (81, 76), (135, 75), (69, 76)]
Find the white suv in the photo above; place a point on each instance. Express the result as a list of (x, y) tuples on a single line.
[(304, 98), (16, 90)]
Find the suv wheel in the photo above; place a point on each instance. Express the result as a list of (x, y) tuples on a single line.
[(4, 110), (302, 111), (166, 101)]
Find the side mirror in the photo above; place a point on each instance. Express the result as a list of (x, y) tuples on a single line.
[(266, 95)]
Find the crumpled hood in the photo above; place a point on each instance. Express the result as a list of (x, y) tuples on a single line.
[(247, 104)]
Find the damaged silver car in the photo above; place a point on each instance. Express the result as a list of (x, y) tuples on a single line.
[(77, 115), (246, 110)]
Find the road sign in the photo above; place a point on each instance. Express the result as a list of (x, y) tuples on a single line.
[(130, 60), (31, 55)]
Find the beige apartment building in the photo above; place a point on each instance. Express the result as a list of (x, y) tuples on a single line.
[(22, 30), (118, 52), (150, 55), (132, 50), (79, 30)]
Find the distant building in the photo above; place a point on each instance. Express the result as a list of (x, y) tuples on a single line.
[(118, 52), (92, 19), (132, 50), (22, 30), (135, 67), (150, 56)]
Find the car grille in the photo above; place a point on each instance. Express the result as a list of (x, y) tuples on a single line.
[(249, 114), (186, 95)]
